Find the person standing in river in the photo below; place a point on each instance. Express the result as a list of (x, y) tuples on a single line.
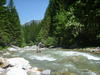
[(39, 45)]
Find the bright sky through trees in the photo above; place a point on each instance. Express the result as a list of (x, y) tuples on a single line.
[(31, 9)]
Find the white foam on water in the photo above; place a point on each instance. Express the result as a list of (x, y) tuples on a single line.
[(82, 71), (42, 58), (75, 53), (7, 53), (88, 73), (69, 65)]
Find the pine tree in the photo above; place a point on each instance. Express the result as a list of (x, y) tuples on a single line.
[(15, 25), (10, 29), (72, 22), (2, 2)]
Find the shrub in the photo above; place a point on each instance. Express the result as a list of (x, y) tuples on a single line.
[(50, 41)]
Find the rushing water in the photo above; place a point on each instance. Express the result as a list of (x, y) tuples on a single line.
[(78, 63)]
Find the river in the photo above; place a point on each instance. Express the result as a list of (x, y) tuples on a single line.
[(75, 62)]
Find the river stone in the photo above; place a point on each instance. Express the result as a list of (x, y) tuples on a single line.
[(3, 62), (34, 71), (11, 49), (15, 71), (2, 71), (19, 62)]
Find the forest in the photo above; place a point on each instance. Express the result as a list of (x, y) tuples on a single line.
[(10, 28), (66, 24), (65, 42)]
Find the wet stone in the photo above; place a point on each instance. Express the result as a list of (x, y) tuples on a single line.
[(3, 62)]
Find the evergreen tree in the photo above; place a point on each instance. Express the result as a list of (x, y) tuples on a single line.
[(2, 2), (31, 31), (10, 29), (15, 27), (72, 23)]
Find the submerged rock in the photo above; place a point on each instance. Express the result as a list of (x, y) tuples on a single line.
[(34, 71), (46, 72)]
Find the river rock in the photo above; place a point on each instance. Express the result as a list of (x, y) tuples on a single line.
[(1, 71), (3, 62), (12, 49), (34, 71), (19, 62), (20, 66), (15, 71)]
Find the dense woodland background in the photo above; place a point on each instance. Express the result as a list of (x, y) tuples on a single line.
[(10, 28), (67, 23)]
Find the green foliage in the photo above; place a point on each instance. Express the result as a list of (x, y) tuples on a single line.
[(72, 23), (10, 29), (66, 23), (1, 48), (31, 43), (4, 38), (30, 32), (50, 41), (11, 4), (87, 14), (2, 2), (98, 36)]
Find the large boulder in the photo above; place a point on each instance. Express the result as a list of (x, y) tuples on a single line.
[(19, 62), (13, 48), (19, 66), (15, 71)]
